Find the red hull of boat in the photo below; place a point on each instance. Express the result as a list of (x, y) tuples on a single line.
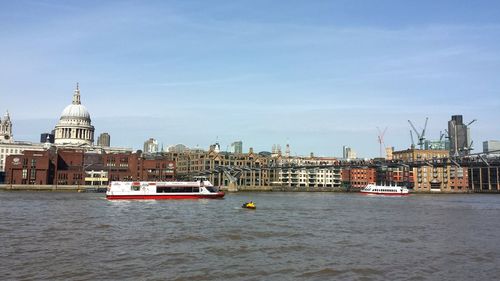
[(218, 195), (383, 193)]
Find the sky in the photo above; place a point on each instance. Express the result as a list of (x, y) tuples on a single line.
[(315, 74)]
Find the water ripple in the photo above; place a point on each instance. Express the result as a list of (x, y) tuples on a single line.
[(291, 236)]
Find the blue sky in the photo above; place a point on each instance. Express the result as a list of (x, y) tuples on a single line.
[(316, 74)]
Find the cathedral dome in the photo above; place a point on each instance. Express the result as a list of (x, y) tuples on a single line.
[(74, 126), (75, 110)]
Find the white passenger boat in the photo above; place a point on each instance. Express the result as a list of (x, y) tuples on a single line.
[(385, 190), (162, 190)]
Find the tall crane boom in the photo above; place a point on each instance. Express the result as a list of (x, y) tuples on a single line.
[(471, 122), (381, 139), (421, 136), (412, 140), (425, 127)]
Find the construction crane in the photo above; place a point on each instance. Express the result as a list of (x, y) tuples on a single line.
[(421, 136), (474, 120), (412, 140), (381, 139), (469, 148)]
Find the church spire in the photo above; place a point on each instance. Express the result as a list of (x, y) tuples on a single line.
[(76, 95)]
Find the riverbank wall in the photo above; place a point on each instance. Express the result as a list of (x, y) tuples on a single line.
[(86, 188), (60, 188), (287, 189)]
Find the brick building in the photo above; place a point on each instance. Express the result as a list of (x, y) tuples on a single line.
[(399, 175), (136, 166), (361, 177), (121, 166), (156, 169), (446, 178), (77, 167), (30, 167), (416, 155), (70, 167)]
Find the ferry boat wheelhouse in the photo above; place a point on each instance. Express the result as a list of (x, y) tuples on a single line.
[(384, 190), (162, 190)]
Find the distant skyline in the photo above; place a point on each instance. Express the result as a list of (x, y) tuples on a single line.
[(318, 75)]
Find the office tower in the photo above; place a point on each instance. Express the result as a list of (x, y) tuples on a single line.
[(459, 134), (237, 147), (104, 140), (491, 146)]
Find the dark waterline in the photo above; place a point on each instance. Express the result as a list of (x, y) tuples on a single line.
[(291, 236)]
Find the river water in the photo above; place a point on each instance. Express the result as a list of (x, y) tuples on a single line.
[(291, 236)]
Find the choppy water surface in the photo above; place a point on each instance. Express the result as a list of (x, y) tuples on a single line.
[(291, 236)]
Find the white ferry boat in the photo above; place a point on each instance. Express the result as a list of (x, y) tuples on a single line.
[(162, 190), (385, 190)]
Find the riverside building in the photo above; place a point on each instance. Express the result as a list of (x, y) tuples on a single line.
[(358, 177), (65, 166), (432, 172), (262, 170), (446, 178), (222, 167), (307, 172), (415, 155), (484, 179)]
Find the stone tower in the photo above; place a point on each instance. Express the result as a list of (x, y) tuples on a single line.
[(6, 129)]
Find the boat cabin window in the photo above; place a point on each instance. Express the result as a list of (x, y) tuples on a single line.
[(176, 189), (135, 187), (210, 188)]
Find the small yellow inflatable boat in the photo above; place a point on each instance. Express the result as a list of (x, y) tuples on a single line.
[(249, 205)]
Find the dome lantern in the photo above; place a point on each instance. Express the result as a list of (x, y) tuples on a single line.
[(76, 95)]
